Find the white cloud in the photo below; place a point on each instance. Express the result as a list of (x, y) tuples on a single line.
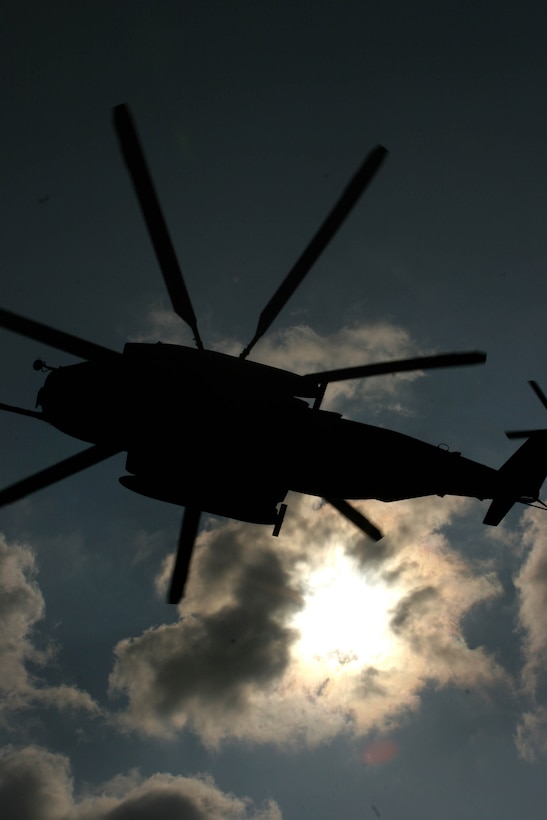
[(531, 583), (21, 608), (36, 784)]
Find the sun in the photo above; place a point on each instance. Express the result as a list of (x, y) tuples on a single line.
[(344, 623)]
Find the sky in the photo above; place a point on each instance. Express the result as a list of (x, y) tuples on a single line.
[(312, 675)]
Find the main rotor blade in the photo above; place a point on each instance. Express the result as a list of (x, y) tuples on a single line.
[(185, 548), (539, 393), (63, 469), (153, 216), (56, 338), (523, 433), (356, 518), (21, 411), (397, 366), (316, 246)]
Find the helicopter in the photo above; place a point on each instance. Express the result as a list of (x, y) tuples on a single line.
[(242, 433)]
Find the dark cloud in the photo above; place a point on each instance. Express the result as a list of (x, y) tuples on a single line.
[(370, 683), (531, 733), (36, 784), (236, 643), (412, 608)]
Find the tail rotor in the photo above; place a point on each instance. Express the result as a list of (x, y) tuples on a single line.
[(527, 433)]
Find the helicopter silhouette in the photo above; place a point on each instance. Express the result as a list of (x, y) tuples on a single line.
[(229, 436)]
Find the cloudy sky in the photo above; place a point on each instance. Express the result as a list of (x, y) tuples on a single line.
[(309, 676)]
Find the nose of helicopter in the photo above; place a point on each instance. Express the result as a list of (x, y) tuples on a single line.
[(84, 400)]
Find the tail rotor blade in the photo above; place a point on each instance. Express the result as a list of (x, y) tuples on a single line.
[(57, 338), (356, 518), (316, 246), (153, 216), (63, 469), (527, 433), (185, 548)]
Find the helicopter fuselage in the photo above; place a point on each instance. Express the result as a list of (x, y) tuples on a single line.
[(233, 436)]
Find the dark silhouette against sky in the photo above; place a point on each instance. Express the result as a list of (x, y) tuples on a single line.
[(319, 673)]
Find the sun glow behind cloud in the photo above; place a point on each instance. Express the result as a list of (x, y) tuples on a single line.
[(344, 624)]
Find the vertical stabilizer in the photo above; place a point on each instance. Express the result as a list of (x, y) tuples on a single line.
[(520, 478)]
